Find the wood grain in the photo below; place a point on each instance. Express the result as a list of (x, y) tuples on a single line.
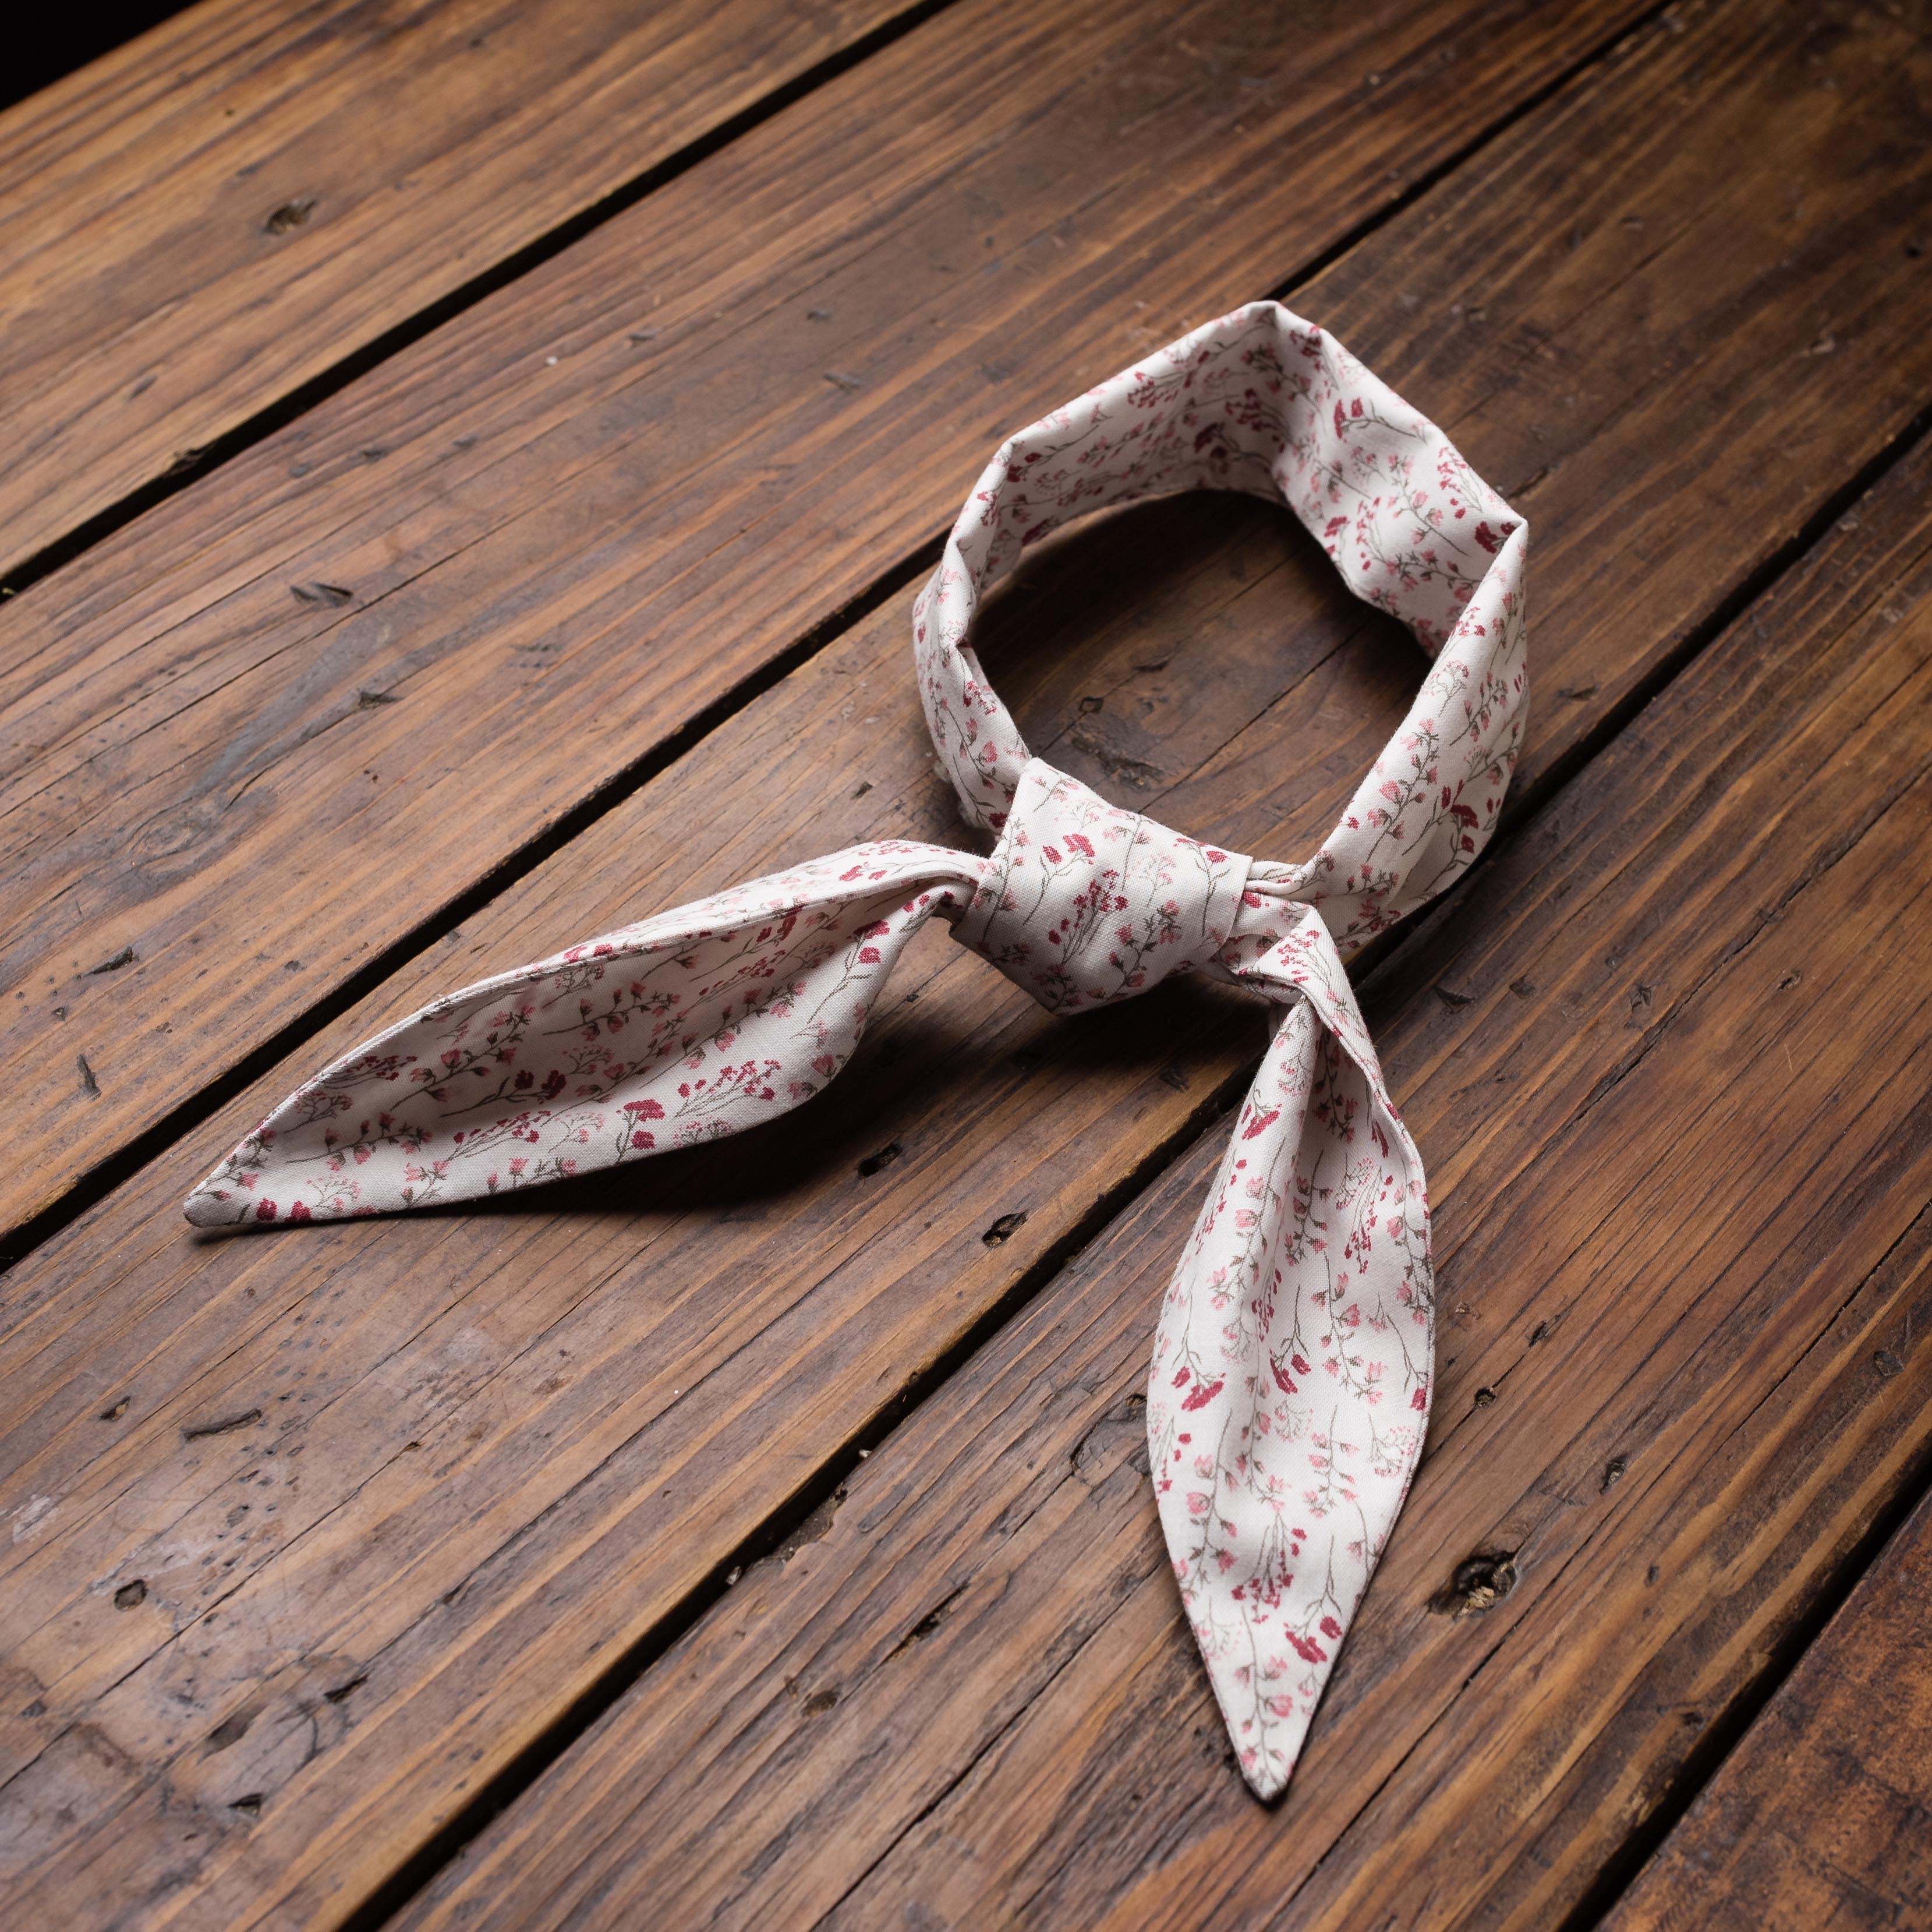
[(1678, 1107), (496, 1449), (253, 193), (1820, 1817), (215, 768)]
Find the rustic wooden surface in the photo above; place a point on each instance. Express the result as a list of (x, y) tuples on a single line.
[(249, 197), (1821, 1818), (973, 1690), (323, 1546), (553, 571)]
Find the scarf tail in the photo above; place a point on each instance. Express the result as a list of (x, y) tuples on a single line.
[(1288, 1395), (686, 1028)]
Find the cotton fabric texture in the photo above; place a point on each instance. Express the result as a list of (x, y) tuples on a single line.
[(1293, 1353)]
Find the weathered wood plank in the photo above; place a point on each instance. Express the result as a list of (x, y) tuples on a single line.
[(212, 216), (563, 1503), (221, 771), (970, 1696), (1823, 1814)]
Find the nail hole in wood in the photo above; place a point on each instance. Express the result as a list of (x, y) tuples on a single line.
[(289, 216), (1480, 1582)]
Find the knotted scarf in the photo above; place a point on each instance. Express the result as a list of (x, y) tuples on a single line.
[(1293, 1353)]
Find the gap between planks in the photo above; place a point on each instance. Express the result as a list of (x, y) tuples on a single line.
[(1757, 1850), (1721, 1740)]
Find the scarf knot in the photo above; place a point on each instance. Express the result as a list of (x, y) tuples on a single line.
[(1083, 904)]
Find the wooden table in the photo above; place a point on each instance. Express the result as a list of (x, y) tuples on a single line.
[(440, 438)]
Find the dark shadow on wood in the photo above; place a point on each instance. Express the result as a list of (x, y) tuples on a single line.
[(45, 43)]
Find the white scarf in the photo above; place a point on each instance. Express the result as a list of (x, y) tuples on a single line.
[(1293, 1356)]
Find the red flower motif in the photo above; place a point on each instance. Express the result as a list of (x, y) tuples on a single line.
[(1202, 1394)]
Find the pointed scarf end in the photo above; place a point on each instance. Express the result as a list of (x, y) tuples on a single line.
[(1267, 1777), (213, 1205), (206, 1208), (1267, 1724)]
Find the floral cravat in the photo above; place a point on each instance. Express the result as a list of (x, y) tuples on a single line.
[(1293, 1353)]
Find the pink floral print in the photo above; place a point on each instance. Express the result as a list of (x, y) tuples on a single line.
[(1293, 1354)]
